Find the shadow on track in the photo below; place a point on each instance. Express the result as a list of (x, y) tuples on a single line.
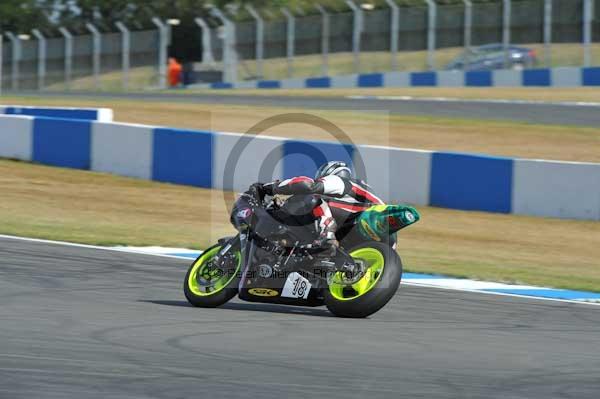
[(251, 307)]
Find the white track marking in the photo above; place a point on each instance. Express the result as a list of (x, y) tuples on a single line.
[(476, 100), (412, 283), (536, 298), (70, 244)]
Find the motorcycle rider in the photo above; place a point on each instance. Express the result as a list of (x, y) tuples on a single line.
[(341, 202)]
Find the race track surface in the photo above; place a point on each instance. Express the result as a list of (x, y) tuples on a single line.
[(540, 113), (88, 323)]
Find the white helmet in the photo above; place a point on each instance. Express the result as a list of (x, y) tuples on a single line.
[(337, 168)]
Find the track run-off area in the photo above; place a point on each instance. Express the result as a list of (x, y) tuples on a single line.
[(573, 113), (81, 322)]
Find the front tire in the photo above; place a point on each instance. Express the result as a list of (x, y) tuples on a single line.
[(377, 286), (208, 287)]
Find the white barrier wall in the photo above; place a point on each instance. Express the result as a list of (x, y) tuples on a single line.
[(92, 114), (16, 138), (246, 166), (449, 180), (540, 77), (122, 149), (558, 189), (396, 174)]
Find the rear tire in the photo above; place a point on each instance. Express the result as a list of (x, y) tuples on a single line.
[(348, 302), (227, 288)]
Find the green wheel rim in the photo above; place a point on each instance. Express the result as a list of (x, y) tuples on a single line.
[(375, 263), (216, 277)]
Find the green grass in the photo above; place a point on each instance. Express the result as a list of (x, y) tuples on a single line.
[(141, 78), (567, 54), (100, 209), (503, 138)]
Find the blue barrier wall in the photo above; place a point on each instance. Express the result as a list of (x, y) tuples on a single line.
[(62, 142), (471, 182), (302, 158), (478, 78), (92, 114), (450, 180), (320, 83), (536, 77), (370, 80), (423, 79), (183, 157), (269, 84), (560, 77)]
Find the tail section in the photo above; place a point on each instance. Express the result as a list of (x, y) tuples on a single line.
[(380, 221)]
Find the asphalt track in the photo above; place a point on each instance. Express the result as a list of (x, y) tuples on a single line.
[(540, 113), (88, 323)]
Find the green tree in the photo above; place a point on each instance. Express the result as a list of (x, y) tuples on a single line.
[(20, 16)]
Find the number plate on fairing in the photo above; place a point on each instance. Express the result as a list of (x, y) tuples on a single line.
[(296, 286)]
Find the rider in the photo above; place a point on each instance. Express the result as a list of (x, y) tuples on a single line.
[(340, 202)]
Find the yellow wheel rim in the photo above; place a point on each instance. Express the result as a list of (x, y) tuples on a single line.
[(215, 279), (375, 263)]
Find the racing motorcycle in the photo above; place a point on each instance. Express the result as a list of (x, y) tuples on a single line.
[(278, 258)]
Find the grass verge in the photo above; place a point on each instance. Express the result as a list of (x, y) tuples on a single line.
[(93, 208), (546, 94), (513, 139)]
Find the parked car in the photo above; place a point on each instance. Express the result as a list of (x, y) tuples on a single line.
[(491, 56)]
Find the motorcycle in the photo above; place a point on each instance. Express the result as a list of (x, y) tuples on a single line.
[(277, 258)]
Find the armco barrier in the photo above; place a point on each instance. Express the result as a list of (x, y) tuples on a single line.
[(92, 114), (233, 161), (557, 77)]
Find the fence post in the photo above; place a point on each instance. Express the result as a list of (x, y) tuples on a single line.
[(588, 16), (1, 60), (229, 44), (125, 50), (431, 28), (548, 32), (163, 32), (291, 39), (16, 59), (356, 33), (97, 43), (68, 56), (394, 32), (468, 32), (260, 39), (325, 27), (41, 58), (207, 54), (506, 11)]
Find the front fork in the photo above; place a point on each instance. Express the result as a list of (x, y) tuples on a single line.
[(248, 249)]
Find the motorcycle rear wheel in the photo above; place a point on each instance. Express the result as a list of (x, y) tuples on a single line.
[(373, 290), (218, 286)]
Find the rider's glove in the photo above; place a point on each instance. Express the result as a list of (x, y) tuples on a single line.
[(258, 190), (269, 188)]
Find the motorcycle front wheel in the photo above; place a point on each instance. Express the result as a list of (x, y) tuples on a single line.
[(208, 285), (379, 281)]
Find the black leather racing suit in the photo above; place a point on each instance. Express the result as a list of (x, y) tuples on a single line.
[(341, 199)]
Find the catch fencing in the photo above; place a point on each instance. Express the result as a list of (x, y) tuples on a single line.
[(211, 160), (310, 43)]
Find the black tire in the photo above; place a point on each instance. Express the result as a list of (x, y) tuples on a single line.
[(213, 300), (378, 296)]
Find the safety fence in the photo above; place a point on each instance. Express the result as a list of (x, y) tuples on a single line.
[(556, 77), (232, 161), (314, 42)]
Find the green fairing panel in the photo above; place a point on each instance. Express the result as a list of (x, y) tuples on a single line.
[(380, 221)]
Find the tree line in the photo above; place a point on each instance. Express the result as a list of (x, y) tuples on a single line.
[(20, 16)]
